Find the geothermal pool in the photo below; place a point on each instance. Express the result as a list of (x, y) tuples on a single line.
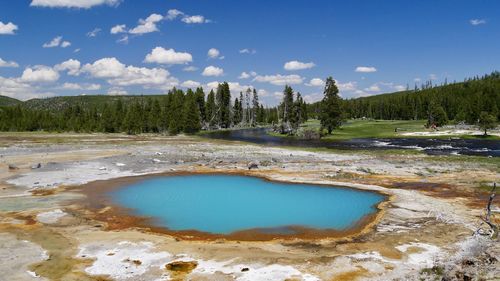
[(224, 204)]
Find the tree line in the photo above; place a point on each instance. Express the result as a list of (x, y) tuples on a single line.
[(178, 111), (461, 102)]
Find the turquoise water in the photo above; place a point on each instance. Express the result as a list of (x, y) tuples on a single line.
[(223, 204)]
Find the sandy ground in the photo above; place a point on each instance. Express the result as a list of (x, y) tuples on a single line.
[(426, 228)]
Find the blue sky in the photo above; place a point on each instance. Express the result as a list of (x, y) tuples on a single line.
[(47, 47)]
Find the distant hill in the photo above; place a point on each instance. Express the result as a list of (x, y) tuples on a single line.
[(462, 101), (62, 102), (7, 101)]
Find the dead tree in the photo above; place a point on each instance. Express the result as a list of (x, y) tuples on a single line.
[(493, 231)]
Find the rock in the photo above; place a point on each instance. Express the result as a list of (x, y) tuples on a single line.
[(245, 269), (13, 167), (103, 168), (36, 166), (253, 165), (120, 164), (156, 160)]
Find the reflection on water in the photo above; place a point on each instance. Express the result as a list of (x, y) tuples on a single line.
[(428, 145)]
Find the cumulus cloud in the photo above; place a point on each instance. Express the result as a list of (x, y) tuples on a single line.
[(16, 88), (195, 19), (118, 74), (65, 44), (53, 43), (71, 65), (213, 53), (39, 73), (190, 84), (212, 71), (279, 79), (81, 4), (234, 87), (4, 63), (94, 32), (147, 25), (247, 51), (123, 40), (316, 82), (57, 42), (168, 56), (365, 69), (477, 21), (244, 75), (373, 88), (172, 14), (7, 28), (117, 91), (313, 97), (348, 86), (120, 28), (190, 68), (297, 65), (75, 86)]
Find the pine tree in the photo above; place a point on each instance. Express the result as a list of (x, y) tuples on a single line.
[(331, 107), (255, 108), (191, 114), (200, 100), (211, 110)]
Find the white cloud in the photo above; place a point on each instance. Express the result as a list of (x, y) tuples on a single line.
[(75, 86), (433, 76), (57, 42), (244, 75), (190, 68), (373, 88), (7, 28), (148, 25), (94, 32), (76, 50), (118, 74), (123, 40), (247, 51), (365, 69), (190, 84), (262, 93), (297, 65), (213, 53), (477, 21), (172, 14), (384, 87), (16, 88), (119, 28), (417, 79), (212, 71), (168, 56), (279, 79), (348, 86), (65, 44), (195, 19), (316, 82), (117, 91), (85, 4), (234, 87), (71, 65), (53, 43), (8, 63), (39, 74), (105, 68), (313, 97)]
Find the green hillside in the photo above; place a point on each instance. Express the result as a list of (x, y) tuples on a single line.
[(7, 101), (92, 101)]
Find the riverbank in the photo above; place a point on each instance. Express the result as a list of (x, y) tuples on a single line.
[(428, 224), (357, 128)]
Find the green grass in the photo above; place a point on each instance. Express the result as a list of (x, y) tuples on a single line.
[(352, 129)]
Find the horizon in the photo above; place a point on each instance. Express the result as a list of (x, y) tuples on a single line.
[(116, 47)]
